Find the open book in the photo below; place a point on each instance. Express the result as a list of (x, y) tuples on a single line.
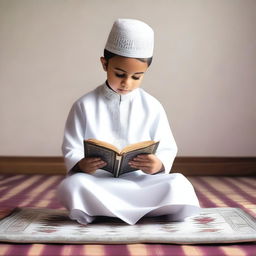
[(117, 161)]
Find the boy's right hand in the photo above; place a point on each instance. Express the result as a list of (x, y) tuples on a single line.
[(91, 164)]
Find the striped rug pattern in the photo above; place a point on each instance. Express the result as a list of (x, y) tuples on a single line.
[(39, 191)]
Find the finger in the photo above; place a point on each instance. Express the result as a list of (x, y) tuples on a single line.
[(98, 164), (142, 160), (139, 165), (145, 169), (143, 156), (148, 158), (93, 159), (94, 167), (88, 164)]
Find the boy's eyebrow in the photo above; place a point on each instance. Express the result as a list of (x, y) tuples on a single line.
[(137, 73)]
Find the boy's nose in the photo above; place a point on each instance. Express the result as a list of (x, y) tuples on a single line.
[(125, 82)]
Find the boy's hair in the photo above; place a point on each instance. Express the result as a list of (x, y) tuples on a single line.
[(108, 55)]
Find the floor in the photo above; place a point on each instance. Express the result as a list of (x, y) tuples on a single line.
[(39, 191)]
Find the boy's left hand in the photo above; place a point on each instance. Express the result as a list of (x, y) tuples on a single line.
[(148, 163)]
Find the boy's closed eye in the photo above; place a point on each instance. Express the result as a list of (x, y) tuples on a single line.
[(120, 75), (124, 75)]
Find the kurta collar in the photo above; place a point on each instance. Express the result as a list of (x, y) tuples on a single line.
[(112, 95)]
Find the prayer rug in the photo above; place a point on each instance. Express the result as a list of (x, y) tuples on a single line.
[(212, 225)]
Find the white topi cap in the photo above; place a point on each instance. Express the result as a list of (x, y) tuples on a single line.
[(131, 38)]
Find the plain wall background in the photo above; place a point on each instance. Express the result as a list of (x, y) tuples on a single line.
[(203, 72)]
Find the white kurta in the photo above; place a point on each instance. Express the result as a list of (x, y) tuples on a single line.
[(121, 120)]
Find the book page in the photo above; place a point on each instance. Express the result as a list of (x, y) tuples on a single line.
[(103, 144), (138, 145), (127, 157)]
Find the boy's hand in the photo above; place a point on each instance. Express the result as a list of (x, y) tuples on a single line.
[(148, 163), (91, 164)]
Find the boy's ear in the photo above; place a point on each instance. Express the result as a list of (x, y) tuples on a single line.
[(104, 63)]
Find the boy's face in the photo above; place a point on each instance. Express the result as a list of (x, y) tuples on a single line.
[(124, 74)]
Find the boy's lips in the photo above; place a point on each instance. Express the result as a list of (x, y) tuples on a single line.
[(123, 90)]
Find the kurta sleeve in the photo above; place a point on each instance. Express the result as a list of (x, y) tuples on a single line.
[(72, 146), (167, 148)]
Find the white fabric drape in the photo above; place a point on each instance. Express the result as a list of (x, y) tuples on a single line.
[(121, 120)]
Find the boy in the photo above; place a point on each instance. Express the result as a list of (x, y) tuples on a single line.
[(121, 113)]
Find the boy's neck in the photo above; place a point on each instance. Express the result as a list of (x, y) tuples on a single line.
[(113, 95), (109, 86)]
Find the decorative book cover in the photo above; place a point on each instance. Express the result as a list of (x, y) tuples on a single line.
[(117, 161), (212, 225)]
